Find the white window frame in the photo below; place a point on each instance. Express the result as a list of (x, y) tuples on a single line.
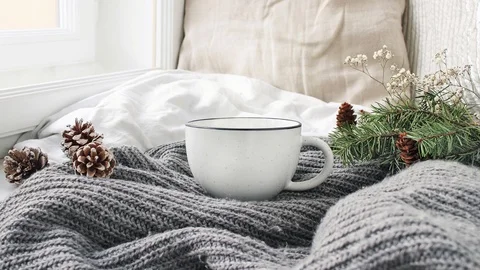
[(67, 16), (169, 32), (39, 48)]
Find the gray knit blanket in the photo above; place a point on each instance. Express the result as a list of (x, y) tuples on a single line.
[(152, 215)]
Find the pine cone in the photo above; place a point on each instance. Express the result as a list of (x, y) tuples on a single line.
[(20, 164), (408, 149), (346, 115), (79, 135), (93, 160)]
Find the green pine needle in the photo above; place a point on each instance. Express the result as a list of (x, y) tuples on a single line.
[(447, 134)]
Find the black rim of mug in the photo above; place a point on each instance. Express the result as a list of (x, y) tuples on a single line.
[(191, 124)]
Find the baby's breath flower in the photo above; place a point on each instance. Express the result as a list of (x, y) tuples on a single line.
[(455, 71), (443, 78), (455, 99), (358, 60), (446, 84), (459, 92), (426, 88), (440, 57)]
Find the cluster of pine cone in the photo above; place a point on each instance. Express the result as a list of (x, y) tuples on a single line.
[(408, 147), (81, 143), (346, 115)]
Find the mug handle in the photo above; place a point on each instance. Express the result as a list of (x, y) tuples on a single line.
[(326, 171)]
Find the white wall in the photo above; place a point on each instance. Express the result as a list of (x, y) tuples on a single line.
[(125, 34)]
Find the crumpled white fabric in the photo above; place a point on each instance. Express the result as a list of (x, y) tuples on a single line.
[(152, 109)]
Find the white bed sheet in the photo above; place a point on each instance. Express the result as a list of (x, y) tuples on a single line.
[(152, 110)]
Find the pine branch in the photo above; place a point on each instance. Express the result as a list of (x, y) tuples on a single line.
[(467, 156), (406, 117), (374, 137), (443, 140), (366, 142)]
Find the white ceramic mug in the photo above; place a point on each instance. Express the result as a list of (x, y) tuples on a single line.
[(250, 158)]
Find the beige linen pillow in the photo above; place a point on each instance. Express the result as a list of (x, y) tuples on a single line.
[(295, 45)]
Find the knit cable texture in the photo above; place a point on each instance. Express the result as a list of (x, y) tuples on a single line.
[(152, 215)]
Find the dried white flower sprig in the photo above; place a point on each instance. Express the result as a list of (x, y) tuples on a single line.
[(399, 82), (449, 82)]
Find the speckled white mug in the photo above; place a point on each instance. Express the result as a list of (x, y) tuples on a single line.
[(250, 158)]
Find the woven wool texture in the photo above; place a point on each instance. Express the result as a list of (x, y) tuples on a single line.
[(152, 215)]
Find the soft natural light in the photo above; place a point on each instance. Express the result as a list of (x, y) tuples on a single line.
[(28, 14), (44, 41)]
